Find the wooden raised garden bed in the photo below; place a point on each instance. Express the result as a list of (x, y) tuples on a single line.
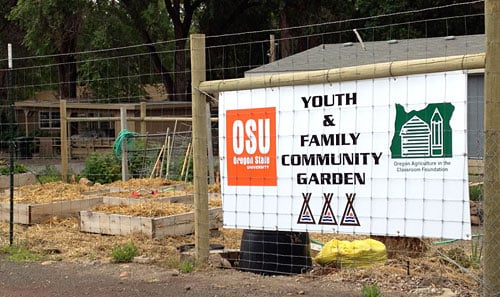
[(36, 203), (29, 214), (153, 227)]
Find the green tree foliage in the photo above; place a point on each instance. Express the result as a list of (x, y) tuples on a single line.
[(108, 66), (293, 18), (220, 20), (52, 27), (438, 22), (76, 35), (180, 16)]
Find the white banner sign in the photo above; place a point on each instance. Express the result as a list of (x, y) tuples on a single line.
[(382, 157)]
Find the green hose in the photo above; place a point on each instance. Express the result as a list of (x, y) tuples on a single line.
[(453, 240), (124, 135)]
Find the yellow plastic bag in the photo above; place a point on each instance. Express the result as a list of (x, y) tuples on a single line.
[(357, 253)]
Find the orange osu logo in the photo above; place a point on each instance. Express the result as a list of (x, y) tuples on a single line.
[(251, 147)]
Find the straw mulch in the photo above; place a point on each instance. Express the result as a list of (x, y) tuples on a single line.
[(59, 191), (152, 208), (48, 192)]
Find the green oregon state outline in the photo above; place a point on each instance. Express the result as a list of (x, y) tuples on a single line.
[(420, 122)]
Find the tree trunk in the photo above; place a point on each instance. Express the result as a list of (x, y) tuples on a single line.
[(67, 64), (286, 36), (180, 81), (67, 76)]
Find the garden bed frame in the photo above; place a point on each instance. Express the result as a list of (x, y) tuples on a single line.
[(116, 224)]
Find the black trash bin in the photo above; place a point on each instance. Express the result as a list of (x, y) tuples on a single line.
[(275, 252), (25, 147)]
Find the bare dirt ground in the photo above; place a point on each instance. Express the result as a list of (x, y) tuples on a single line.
[(60, 279), (95, 275), (78, 279)]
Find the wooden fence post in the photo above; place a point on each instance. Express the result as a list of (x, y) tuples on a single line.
[(64, 141), (491, 269), (199, 115), (143, 117), (123, 126)]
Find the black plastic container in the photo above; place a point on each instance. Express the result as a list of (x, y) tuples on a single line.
[(25, 146), (275, 252)]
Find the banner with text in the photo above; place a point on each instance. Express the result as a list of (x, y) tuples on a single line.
[(384, 157)]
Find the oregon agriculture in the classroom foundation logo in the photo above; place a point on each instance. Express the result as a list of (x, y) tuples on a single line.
[(423, 133), (251, 147)]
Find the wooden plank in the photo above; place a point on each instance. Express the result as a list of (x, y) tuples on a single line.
[(352, 73), (62, 209), (110, 200), (115, 224), (476, 167), (102, 191), (90, 222), (21, 213), (183, 224), (29, 214)]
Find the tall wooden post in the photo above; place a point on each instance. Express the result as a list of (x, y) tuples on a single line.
[(123, 126), (491, 269), (143, 117), (199, 115), (64, 141), (272, 48)]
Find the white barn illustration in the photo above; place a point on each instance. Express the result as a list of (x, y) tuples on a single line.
[(418, 139)]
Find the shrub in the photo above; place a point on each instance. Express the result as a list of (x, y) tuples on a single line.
[(125, 253), (18, 168), (459, 256), (102, 168), (49, 174), (140, 160)]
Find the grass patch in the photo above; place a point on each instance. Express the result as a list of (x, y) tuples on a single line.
[(371, 290), (124, 253), (19, 253), (186, 267), (476, 192), (173, 262)]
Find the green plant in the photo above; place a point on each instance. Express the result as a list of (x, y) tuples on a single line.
[(371, 290), (186, 267), (476, 192), (125, 253), (49, 174), (140, 158), (476, 253), (459, 256), (102, 168), (18, 168), (19, 253), (171, 262)]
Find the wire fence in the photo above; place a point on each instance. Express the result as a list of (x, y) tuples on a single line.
[(314, 197)]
